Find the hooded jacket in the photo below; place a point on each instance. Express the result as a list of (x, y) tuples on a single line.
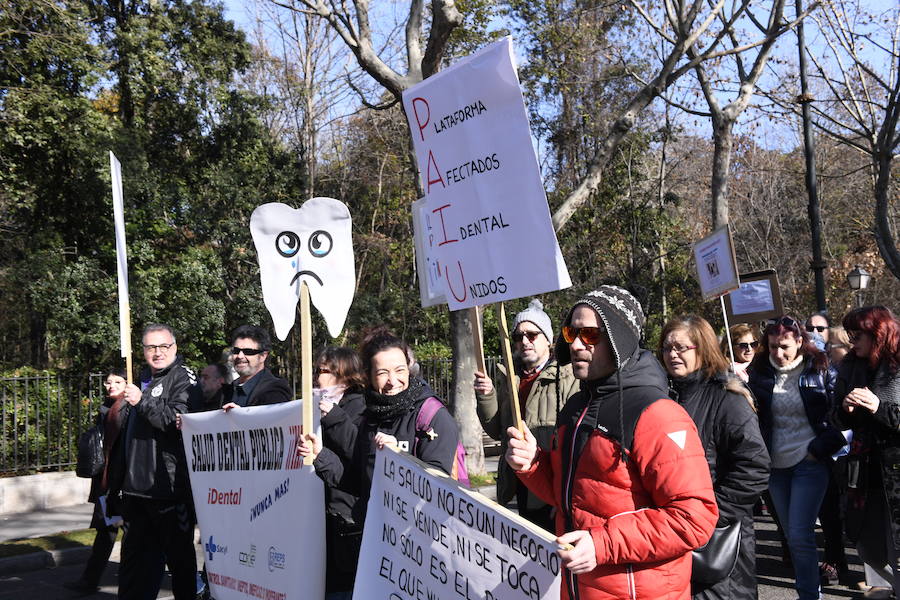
[(627, 465)]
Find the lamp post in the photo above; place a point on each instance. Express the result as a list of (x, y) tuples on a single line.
[(858, 279)]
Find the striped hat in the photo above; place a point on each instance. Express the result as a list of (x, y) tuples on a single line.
[(622, 317)]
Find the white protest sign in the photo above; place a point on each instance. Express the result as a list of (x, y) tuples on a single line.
[(428, 537), (482, 182), (261, 514), (431, 288), (716, 264), (115, 170), (312, 243)]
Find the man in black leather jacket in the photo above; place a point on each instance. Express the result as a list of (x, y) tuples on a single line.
[(149, 469)]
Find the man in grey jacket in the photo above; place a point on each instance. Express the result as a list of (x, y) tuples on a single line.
[(543, 388)]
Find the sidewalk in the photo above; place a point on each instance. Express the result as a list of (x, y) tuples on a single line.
[(44, 522)]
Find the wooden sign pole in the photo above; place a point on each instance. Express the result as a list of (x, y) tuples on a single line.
[(478, 341), (306, 366), (506, 347)]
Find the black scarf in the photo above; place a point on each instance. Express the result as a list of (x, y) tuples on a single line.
[(382, 409)]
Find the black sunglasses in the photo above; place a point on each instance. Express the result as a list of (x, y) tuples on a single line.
[(790, 323), (531, 335), (247, 351), (819, 328), (747, 345)]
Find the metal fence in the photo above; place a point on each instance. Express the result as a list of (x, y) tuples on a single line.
[(41, 417), (438, 372)]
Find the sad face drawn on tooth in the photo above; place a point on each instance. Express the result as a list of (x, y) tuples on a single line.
[(313, 244)]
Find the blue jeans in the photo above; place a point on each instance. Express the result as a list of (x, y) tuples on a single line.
[(797, 493)]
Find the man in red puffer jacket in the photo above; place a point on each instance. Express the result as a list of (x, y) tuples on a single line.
[(626, 470)]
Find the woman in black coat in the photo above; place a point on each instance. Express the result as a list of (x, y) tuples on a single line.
[(722, 408), (394, 397), (111, 421), (868, 398), (340, 383)]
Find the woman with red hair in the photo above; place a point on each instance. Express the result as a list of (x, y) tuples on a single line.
[(868, 392)]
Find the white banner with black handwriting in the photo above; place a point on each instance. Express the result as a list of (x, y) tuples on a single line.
[(261, 513), (428, 537)]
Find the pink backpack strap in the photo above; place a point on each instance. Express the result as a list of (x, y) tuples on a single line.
[(426, 414)]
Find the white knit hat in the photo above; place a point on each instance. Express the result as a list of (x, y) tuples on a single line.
[(535, 314)]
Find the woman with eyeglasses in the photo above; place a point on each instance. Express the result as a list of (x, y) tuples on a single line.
[(722, 409), (794, 386), (340, 386), (868, 397), (745, 343)]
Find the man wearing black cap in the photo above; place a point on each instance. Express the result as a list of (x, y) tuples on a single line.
[(626, 470)]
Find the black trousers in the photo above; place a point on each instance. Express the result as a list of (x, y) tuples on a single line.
[(832, 523), (157, 527), (100, 551)]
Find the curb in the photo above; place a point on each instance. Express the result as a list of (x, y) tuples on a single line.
[(43, 560), (49, 559)]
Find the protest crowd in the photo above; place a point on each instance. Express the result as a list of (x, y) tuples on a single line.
[(646, 464), (636, 465)]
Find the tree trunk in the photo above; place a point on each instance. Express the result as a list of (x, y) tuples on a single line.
[(723, 143), (462, 401), (883, 234)]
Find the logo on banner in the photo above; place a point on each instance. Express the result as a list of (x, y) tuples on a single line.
[(248, 559), (231, 497), (213, 548), (276, 559)]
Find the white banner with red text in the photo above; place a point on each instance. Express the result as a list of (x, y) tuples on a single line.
[(483, 187), (428, 537), (261, 513)]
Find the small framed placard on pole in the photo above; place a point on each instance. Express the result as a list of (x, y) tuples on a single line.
[(716, 264), (758, 298)]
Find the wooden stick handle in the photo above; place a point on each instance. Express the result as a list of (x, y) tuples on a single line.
[(510, 370), (478, 341), (306, 366)]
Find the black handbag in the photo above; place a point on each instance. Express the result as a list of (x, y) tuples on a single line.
[(90, 452), (715, 560)]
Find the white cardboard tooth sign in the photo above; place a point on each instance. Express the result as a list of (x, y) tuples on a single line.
[(312, 244)]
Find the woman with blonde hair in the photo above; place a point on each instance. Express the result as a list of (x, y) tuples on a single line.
[(745, 344), (838, 345), (722, 409)]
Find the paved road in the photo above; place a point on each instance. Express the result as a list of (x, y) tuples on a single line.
[(775, 581)]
